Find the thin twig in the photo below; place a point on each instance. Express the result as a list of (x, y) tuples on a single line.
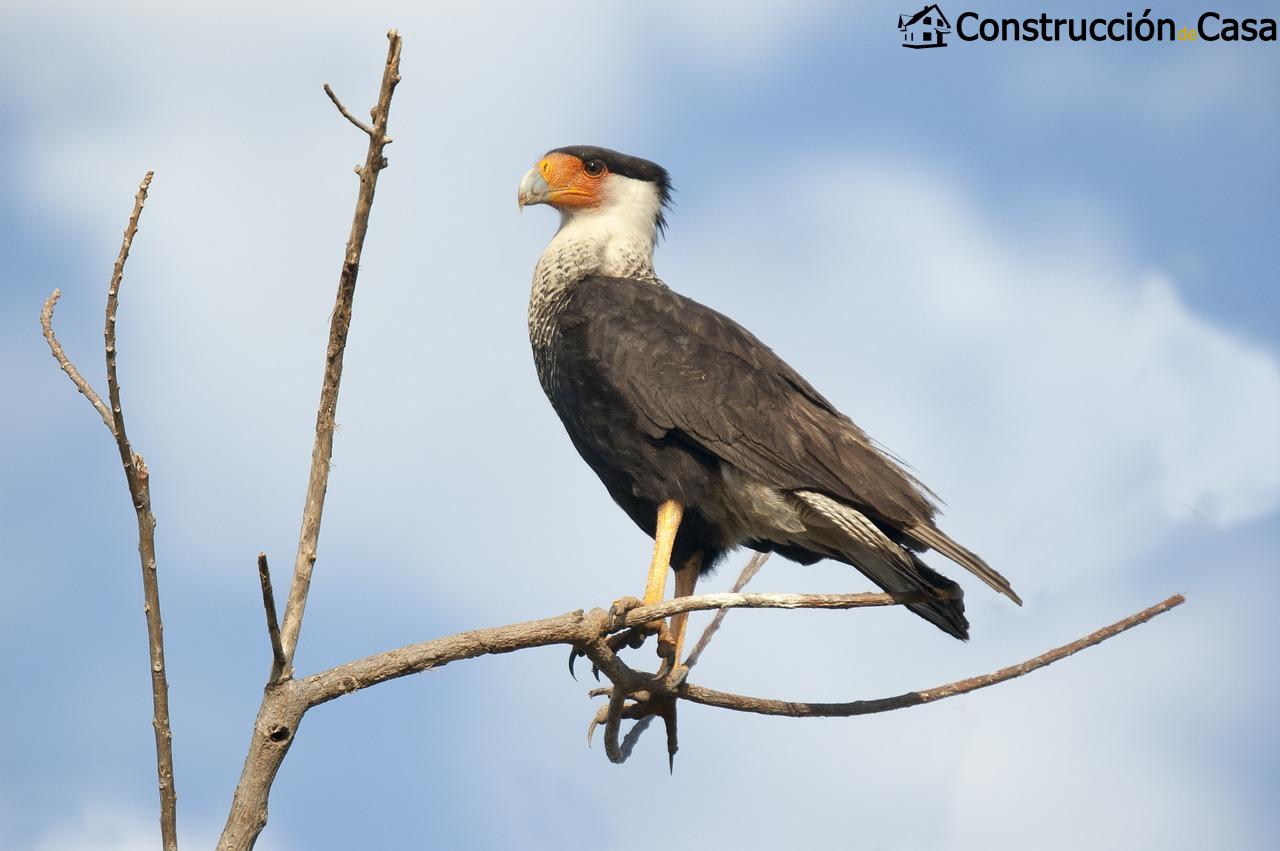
[(138, 478), (346, 114), (749, 572), (82, 384), (339, 325), (702, 602), (797, 709), (273, 626)]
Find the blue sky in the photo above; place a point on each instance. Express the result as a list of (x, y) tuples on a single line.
[(1038, 272)]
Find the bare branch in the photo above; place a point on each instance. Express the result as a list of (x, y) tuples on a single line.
[(138, 478), (46, 323), (645, 614), (339, 325), (589, 629), (273, 627), (283, 701), (749, 571), (569, 628), (796, 709), (109, 332), (346, 114)]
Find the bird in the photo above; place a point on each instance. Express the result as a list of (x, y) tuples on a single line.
[(704, 436)]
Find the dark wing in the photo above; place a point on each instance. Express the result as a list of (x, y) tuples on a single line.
[(682, 366)]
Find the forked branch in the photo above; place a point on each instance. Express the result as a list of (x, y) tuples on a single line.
[(650, 693), (273, 625), (795, 709), (280, 711), (339, 326), (138, 478)]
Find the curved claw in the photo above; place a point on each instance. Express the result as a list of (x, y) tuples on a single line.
[(574, 655), (601, 718)]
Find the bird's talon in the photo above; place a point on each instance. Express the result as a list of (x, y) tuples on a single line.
[(618, 612), (576, 653), (666, 646), (601, 717)]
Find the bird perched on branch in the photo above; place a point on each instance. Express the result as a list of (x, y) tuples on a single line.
[(703, 435)]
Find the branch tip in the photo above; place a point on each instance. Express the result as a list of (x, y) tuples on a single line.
[(55, 348), (339, 326), (137, 477), (273, 625), (347, 114), (800, 709)]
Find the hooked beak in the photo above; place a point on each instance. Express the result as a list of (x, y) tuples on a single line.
[(533, 189)]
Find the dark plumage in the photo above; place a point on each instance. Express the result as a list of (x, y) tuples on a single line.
[(656, 390), (668, 400)]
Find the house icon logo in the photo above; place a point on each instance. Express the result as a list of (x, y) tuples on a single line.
[(926, 28)]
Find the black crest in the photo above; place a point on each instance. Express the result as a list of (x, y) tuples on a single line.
[(627, 166)]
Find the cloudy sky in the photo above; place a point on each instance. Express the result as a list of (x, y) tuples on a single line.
[(1040, 273)]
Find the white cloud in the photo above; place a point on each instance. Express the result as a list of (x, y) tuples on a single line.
[(101, 828), (104, 827)]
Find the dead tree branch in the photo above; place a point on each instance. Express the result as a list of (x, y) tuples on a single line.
[(273, 626), (704, 602), (46, 323), (339, 326), (749, 572), (347, 114), (795, 709), (139, 481), (650, 694), (277, 721)]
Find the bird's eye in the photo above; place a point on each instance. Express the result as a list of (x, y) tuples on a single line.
[(594, 168)]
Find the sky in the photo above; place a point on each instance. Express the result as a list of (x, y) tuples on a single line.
[(1040, 273)]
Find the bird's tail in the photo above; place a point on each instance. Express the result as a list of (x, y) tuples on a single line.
[(946, 610), (847, 535)]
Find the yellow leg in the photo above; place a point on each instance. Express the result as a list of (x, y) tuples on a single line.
[(686, 580), (664, 537)]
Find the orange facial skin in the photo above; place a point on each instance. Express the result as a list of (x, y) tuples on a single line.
[(570, 185)]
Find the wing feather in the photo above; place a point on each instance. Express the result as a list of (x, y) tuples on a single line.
[(682, 366)]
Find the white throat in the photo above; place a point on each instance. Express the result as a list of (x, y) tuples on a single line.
[(615, 238)]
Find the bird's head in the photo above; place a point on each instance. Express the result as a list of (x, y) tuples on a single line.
[(586, 182)]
